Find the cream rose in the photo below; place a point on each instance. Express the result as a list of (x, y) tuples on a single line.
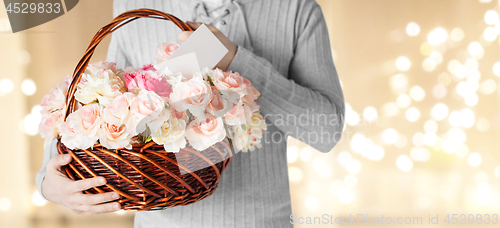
[(204, 134), (240, 138), (171, 135), (80, 130), (248, 137), (103, 87)]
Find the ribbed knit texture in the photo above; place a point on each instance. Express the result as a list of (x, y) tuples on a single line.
[(291, 65)]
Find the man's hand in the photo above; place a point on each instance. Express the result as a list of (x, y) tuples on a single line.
[(231, 47), (58, 188)]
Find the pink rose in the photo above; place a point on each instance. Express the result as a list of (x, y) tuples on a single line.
[(96, 68), (114, 136), (251, 92), (148, 80), (49, 126), (55, 100), (228, 81), (164, 51), (117, 111), (250, 103), (193, 95), (219, 105), (182, 115), (206, 133), (148, 67), (235, 116), (80, 130), (144, 109)]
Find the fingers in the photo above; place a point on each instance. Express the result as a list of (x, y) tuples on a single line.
[(194, 25), (57, 161), (97, 209), (83, 185), (184, 35), (93, 199)]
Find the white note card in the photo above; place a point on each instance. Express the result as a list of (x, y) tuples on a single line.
[(207, 47), (186, 64)]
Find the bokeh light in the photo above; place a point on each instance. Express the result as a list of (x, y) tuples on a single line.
[(457, 34), (6, 86), (474, 159), (306, 154), (5, 204), (412, 114), (370, 113), (404, 163), (476, 50), (399, 83), (412, 29), (417, 93), (439, 91), (28, 87), (496, 69), (490, 34), (439, 111), (403, 63), (437, 36), (390, 136), (390, 109), (491, 17), (292, 153), (38, 199), (403, 101)]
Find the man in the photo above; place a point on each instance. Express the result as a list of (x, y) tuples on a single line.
[(282, 47)]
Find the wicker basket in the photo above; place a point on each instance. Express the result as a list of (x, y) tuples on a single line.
[(147, 177)]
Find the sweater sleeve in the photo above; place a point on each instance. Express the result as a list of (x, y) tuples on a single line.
[(49, 152), (309, 104)]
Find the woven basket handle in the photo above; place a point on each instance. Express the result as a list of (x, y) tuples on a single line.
[(117, 22)]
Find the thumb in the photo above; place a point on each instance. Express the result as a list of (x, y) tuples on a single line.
[(59, 160)]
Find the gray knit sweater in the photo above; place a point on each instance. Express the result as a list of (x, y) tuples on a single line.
[(284, 50)]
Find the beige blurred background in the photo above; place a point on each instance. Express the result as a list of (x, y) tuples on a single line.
[(420, 79)]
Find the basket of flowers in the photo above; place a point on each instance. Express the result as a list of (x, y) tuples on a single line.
[(160, 138)]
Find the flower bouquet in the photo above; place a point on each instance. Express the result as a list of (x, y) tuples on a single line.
[(160, 138)]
